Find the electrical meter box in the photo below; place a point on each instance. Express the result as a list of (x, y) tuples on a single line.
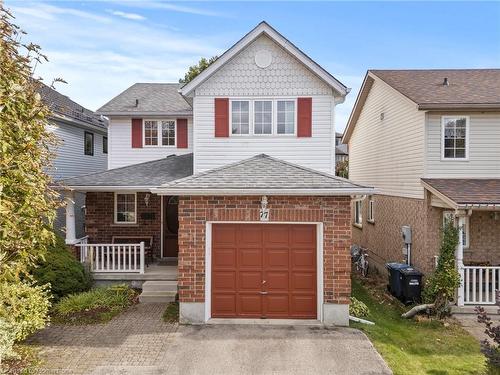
[(406, 233)]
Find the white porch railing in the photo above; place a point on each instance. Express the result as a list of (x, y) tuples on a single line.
[(480, 285), (83, 249), (113, 257)]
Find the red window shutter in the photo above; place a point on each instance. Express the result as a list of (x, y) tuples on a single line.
[(182, 133), (304, 117), (221, 117), (136, 132)]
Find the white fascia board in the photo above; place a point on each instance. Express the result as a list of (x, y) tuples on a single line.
[(283, 42), (258, 192), (103, 188), (145, 114)]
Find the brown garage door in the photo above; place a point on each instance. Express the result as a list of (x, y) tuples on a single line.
[(264, 271)]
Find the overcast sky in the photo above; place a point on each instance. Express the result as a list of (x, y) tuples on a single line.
[(102, 47)]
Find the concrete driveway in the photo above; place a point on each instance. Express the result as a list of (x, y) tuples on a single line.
[(138, 342)]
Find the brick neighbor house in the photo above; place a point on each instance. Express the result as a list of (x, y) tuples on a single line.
[(226, 187), (429, 141)]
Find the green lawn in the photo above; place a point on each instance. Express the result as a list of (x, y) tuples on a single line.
[(417, 347)]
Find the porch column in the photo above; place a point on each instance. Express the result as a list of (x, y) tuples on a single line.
[(459, 256), (69, 198)]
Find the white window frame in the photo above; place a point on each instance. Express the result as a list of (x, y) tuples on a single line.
[(446, 214), (358, 213), (251, 110), (467, 127), (371, 211), (159, 132), (116, 206)]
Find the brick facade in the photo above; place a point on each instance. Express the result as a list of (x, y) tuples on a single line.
[(99, 219), (333, 212)]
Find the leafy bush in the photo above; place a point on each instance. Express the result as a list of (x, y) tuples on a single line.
[(342, 169), (24, 305), (62, 271), (358, 308), (441, 285), (7, 338), (490, 350), (95, 305)]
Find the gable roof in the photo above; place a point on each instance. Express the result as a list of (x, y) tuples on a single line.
[(467, 89), (133, 177), (265, 28), (151, 99), (466, 192), (262, 175), (65, 108)]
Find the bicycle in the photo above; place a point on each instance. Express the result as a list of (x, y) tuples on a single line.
[(359, 255)]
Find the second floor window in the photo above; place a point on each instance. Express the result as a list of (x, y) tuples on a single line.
[(286, 116), (455, 137), (263, 117), (88, 146), (104, 145), (159, 132), (240, 117)]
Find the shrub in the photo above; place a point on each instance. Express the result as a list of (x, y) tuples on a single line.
[(490, 350), (95, 305), (441, 285), (24, 305), (358, 308), (62, 271), (7, 338)]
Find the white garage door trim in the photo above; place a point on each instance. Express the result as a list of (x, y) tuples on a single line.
[(208, 261)]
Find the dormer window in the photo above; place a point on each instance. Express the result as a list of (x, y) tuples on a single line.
[(455, 137)]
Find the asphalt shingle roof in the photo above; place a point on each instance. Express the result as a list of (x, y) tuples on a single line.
[(468, 191), (160, 98), (465, 86), (149, 174), (62, 105), (265, 173)]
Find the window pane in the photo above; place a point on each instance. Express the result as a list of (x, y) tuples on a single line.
[(460, 153), (168, 133), (88, 146), (263, 117), (449, 153), (125, 208), (454, 137), (240, 117), (286, 117), (151, 133)]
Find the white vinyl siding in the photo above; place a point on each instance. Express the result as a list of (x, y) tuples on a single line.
[(387, 151), (313, 152), (121, 152), (70, 158), (483, 151)]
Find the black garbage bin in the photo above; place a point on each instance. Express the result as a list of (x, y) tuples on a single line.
[(411, 285), (395, 285)]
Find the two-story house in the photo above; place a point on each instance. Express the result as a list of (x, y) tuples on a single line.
[(232, 174), (429, 142), (82, 147)]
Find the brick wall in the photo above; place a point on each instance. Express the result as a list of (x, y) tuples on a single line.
[(383, 238), (333, 212), (99, 219), (484, 239)]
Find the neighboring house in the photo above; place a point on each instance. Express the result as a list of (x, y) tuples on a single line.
[(232, 175), (82, 147), (341, 149), (429, 142)]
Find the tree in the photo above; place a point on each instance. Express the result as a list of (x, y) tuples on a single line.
[(27, 204), (342, 169), (194, 70)]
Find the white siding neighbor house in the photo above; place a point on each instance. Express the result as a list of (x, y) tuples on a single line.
[(429, 142), (82, 147), (227, 183)]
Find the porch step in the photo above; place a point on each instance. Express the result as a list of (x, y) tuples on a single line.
[(158, 291)]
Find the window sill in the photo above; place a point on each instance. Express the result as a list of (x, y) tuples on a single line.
[(360, 226), (124, 225), (371, 221)]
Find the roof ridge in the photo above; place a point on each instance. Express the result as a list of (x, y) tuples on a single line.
[(125, 166)]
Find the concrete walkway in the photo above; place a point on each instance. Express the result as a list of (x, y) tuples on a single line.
[(139, 342)]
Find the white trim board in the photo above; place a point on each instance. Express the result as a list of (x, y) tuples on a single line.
[(319, 261)]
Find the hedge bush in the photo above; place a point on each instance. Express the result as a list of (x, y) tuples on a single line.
[(62, 272)]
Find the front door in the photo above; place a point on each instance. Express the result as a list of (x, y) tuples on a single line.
[(170, 227), (264, 271)]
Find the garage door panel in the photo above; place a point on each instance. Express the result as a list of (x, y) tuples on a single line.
[(250, 257), (224, 280), (304, 258), (250, 281), (276, 258), (276, 281), (282, 255), (250, 305), (223, 305), (224, 258), (303, 281)]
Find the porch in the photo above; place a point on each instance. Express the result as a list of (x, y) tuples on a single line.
[(474, 205)]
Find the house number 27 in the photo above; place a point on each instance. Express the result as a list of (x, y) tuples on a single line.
[(264, 214)]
